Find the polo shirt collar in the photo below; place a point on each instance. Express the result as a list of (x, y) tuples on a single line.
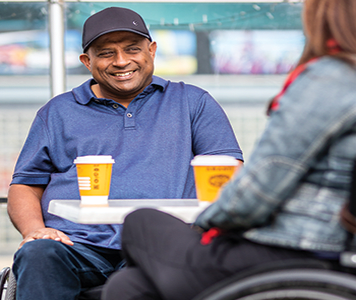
[(83, 93)]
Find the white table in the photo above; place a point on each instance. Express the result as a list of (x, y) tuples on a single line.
[(184, 209)]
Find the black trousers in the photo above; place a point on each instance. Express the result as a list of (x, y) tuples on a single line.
[(165, 259)]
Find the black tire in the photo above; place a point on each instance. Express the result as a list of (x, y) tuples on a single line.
[(297, 294), (4, 276), (289, 284), (11, 287)]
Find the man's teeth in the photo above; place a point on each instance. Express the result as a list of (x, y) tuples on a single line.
[(123, 74)]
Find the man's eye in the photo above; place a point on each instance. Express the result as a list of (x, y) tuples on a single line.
[(105, 54), (133, 50)]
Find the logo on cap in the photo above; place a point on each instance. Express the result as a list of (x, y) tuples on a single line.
[(135, 23)]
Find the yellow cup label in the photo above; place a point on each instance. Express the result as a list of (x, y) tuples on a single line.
[(94, 179), (209, 180)]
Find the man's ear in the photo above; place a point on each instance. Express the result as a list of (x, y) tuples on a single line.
[(85, 59), (152, 48)]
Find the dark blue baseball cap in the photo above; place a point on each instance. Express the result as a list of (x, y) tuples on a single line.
[(112, 19)]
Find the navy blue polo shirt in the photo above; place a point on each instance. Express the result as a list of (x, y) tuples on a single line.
[(152, 141)]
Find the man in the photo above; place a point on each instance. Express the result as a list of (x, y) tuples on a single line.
[(151, 127)]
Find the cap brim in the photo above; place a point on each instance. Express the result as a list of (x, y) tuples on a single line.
[(85, 47)]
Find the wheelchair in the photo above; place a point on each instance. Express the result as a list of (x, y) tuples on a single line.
[(286, 280)]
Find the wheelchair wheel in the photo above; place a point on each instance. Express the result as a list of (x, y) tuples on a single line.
[(4, 276), (295, 294), (299, 284), (11, 287)]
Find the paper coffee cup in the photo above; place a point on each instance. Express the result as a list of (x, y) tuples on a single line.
[(211, 172), (94, 178)]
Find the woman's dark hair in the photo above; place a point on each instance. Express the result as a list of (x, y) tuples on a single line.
[(329, 19), (330, 29)]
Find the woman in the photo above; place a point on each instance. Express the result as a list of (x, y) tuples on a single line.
[(286, 201)]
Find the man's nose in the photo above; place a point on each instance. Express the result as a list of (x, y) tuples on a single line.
[(121, 59)]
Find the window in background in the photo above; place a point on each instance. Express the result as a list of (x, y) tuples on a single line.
[(26, 52), (193, 38), (255, 51), (176, 52)]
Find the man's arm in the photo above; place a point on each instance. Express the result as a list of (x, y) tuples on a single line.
[(240, 163), (24, 209)]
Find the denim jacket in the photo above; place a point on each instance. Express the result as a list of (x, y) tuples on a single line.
[(298, 177)]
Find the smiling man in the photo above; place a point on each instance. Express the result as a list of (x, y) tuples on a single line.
[(121, 63), (151, 127)]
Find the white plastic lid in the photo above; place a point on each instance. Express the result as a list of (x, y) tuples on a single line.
[(214, 160), (94, 159)]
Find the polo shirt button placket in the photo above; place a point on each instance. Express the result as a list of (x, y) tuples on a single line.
[(129, 121)]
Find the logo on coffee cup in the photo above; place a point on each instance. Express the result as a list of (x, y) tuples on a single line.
[(218, 180)]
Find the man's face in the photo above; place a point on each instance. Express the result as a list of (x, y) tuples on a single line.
[(121, 63)]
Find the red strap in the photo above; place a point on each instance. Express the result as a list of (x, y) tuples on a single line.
[(208, 236), (333, 47), (289, 80)]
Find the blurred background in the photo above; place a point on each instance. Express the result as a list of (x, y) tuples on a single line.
[(239, 51)]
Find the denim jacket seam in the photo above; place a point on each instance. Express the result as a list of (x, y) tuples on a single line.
[(298, 163), (248, 181), (330, 131)]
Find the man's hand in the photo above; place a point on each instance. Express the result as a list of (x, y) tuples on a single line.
[(47, 233), (24, 208)]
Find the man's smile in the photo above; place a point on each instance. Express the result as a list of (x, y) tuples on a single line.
[(123, 74)]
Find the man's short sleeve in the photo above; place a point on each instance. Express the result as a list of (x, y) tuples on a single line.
[(212, 131), (34, 165)]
